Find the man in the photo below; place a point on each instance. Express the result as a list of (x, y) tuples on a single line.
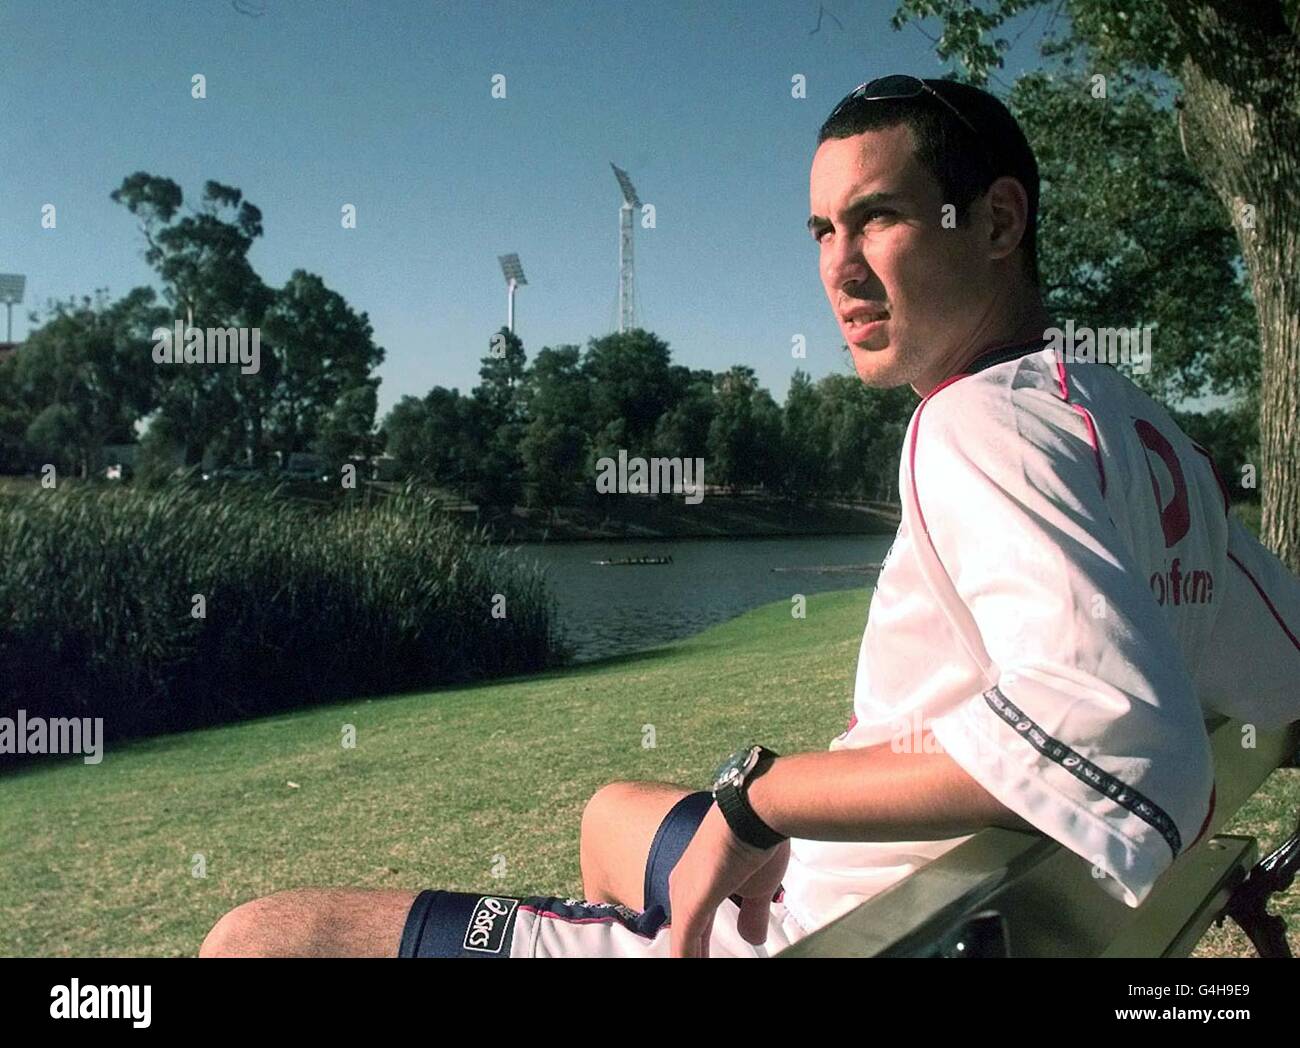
[(1065, 599)]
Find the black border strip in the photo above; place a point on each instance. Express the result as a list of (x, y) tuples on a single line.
[(1085, 771)]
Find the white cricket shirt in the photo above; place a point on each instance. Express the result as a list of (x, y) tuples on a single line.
[(1065, 600)]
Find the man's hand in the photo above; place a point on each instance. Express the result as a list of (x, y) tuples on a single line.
[(714, 866)]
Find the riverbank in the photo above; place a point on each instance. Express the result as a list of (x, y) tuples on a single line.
[(468, 788), (716, 516), (646, 517)]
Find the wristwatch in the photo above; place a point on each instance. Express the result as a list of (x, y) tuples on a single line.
[(729, 790)]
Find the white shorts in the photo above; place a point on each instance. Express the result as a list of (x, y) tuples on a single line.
[(464, 924)]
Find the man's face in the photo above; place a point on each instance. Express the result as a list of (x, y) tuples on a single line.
[(877, 218)]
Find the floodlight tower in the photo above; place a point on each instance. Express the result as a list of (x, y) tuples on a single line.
[(514, 273), (11, 293), (626, 282)]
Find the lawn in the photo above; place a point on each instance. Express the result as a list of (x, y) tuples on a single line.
[(468, 788)]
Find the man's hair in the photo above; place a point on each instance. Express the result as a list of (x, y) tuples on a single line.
[(946, 148)]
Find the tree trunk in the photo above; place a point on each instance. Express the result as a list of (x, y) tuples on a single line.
[(1241, 125), (255, 451)]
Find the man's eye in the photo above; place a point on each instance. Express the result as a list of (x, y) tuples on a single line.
[(867, 218)]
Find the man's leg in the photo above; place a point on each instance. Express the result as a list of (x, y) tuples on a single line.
[(618, 827), (313, 922)]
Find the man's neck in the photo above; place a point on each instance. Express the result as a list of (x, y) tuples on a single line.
[(1025, 321)]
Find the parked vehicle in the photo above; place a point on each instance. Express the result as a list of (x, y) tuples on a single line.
[(305, 466), (240, 474)]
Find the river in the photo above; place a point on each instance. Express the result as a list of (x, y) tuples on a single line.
[(614, 610)]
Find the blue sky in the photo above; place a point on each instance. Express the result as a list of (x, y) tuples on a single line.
[(387, 106)]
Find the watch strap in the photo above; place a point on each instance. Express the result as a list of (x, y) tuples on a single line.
[(741, 817)]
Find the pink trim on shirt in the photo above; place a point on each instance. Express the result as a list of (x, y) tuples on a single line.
[(1223, 488), (568, 920), (1062, 378), (1264, 597)]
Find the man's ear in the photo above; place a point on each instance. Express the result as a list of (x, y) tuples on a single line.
[(1008, 205)]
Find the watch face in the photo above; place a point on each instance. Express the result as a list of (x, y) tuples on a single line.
[(730, 769)]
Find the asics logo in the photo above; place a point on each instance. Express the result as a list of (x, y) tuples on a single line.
[(487, 927)]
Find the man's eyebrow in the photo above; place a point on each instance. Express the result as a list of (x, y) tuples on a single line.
[(862, 203)]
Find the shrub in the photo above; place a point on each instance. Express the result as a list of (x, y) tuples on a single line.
[(303, 603)]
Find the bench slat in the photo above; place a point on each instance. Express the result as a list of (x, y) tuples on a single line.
[(1210, 873)]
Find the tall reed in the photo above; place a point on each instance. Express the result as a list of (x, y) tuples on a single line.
[(167, 609)]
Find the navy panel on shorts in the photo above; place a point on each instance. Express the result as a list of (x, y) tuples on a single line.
[(671, 839), (459, 924)]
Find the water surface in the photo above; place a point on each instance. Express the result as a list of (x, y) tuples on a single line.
[(607, 610)]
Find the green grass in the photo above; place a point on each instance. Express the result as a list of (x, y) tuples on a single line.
[(97, 859)]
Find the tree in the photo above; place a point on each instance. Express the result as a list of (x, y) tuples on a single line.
[(1238, 119), (202, 259), (316, 354), (1129, 236), (404, 431), (15, 417), (843, 427), (85, 376), (324, 354), (745, 435), (557, 402), (554, 455), (347, 430), (501, 376), (630, 380), (432, 439), (554, 387), (683, 430), (495, 417), (804, 451)]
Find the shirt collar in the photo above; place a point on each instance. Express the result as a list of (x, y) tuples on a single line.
[(1002, 352)]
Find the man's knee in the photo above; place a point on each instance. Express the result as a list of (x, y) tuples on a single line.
[(313, 922), (598, 816), (252, 929), (618, 825), (604, 805)]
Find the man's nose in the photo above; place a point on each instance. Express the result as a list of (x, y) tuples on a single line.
[(846, 267)]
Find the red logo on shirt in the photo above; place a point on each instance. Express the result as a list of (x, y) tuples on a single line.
[(1175, 519), (1175, 584), (1182, 587)]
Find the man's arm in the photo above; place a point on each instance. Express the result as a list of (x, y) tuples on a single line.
[(875, 794), (866, 793)]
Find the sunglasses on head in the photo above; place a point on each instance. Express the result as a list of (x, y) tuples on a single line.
[(901, 86)]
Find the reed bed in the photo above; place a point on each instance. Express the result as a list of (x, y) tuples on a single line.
[(167, 609)]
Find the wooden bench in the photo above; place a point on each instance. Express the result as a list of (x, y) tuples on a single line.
[(1006, 893)]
